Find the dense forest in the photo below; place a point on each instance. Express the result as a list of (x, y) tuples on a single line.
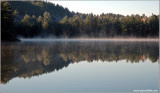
[(32, 59), (44, 19)]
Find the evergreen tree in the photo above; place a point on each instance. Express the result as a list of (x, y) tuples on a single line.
[(7, 30)]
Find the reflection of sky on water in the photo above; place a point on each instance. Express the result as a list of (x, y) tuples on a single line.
[(91, 77)]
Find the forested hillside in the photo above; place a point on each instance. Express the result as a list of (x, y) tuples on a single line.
[(45, 19), (37, 8)]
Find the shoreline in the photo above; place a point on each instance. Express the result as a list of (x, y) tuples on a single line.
[(11, 40), (89, 39)]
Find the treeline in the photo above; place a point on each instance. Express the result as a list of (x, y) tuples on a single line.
[(31, 26), (110, 25), (44, 19), (105, 25), (16, 20)]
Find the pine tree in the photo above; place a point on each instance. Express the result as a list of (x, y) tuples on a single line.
[(7, 21)]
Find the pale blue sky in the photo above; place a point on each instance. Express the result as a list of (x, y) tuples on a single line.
[(117, 7)]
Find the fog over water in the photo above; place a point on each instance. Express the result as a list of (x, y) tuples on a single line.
[(90, 39)]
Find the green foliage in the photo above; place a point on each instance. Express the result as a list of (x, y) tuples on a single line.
[(64, 20), (38, 8), (39, 18), (45, 24), (153, 23), (27, 20), (47, 17), (111, 25), (7, 30), (15, 12), (46, 20)]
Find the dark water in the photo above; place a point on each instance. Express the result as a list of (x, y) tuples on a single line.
[(79, 66)]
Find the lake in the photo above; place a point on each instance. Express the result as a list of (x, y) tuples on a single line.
[(79, 66)]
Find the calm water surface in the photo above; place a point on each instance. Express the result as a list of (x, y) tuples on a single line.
[(77, 66)]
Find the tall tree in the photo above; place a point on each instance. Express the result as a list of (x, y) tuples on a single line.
[(7, 21), (153, 25), (46, 20), (27, 20)]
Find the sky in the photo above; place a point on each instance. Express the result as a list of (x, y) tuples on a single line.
[(116, 7)]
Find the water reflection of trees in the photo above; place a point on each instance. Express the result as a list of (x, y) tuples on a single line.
[(27, 60)]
